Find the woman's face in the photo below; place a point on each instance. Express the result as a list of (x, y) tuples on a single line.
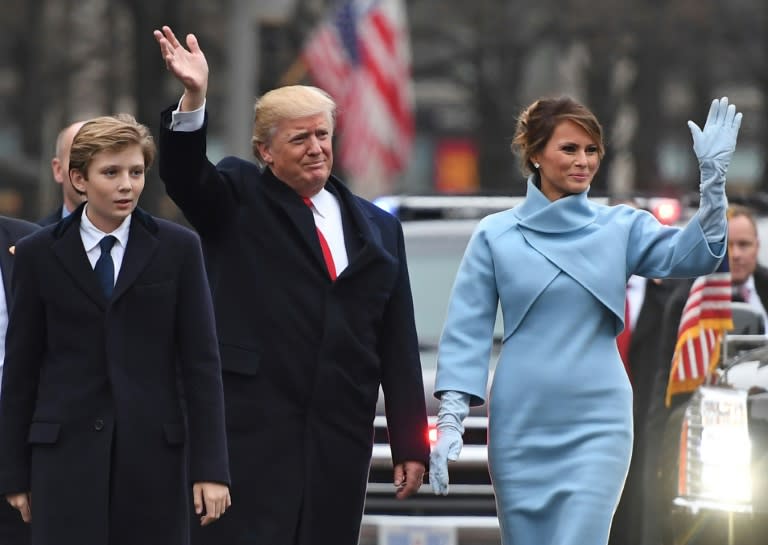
[(568, 162)]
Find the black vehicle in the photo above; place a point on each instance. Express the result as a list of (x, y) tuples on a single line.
[(714, 468)]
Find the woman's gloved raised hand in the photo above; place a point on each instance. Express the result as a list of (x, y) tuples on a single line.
[(714, 146)]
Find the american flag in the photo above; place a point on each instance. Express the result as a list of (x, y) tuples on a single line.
[(361, 57), (706, 316)]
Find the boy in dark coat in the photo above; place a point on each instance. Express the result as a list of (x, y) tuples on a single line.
[(112, 313)]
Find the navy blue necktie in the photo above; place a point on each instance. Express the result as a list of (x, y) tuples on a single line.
[(105, 267)]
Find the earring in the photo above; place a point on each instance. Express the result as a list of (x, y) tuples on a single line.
[(536, 165)]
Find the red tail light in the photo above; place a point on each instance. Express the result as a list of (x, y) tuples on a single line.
[(432, 435), (667, 211)]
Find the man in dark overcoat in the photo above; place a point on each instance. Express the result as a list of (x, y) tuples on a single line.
[(749, 283), (13, 530), (96, 445), (70, 197), (313, 310)]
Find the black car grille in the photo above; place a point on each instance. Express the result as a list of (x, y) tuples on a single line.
[(758, 434)]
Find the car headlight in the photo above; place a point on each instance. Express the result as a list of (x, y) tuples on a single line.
[(715, 451)]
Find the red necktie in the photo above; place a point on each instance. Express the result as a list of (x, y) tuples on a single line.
[(323, 246), (624, 338)]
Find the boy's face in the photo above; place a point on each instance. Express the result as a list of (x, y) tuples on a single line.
[(115, 182)]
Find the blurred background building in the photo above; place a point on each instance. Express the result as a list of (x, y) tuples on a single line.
[(466, 70)]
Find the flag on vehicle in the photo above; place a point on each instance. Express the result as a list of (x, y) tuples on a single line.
[(706, 316), (361, 57)]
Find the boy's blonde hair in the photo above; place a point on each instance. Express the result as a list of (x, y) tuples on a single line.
[(109, 133)]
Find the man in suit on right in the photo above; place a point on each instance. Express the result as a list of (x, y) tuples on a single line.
[(749, 282), (749, 279), (71, 197)]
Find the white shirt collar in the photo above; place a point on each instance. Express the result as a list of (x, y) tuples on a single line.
[(324, 202), (750, 284), (91, 234)]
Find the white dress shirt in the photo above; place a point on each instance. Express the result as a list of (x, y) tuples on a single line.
[(753, 299), (3, 325), (327, 214), (635, 296), (92, 235)]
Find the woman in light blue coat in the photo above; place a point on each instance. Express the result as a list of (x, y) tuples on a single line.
[(560, 404)]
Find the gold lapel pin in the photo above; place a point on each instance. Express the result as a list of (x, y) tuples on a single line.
[(12, 250)]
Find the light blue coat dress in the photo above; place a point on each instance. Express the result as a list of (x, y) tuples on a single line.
[(560, 406)]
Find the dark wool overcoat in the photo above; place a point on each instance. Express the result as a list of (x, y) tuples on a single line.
[(302, 357), (91, 417), (13, 530)]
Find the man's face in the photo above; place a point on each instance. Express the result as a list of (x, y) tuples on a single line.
[(300, 153), (742, 248), (60, 167)]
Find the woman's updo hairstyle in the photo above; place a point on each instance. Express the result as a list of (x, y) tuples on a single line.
[(537, 122)]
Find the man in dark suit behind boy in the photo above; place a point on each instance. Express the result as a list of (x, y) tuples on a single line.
[(13, 530)]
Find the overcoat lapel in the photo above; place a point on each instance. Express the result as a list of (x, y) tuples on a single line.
[(142, 245), (299, 214), (6, 262), (360, 231), (300, 217), (68, 248)]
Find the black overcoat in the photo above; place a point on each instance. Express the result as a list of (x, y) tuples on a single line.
[(13, 530), (91, 419), (302, 357)]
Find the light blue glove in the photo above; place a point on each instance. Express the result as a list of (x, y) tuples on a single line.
[(714, 147), (454, 408)]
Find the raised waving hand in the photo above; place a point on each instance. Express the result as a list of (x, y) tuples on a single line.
[(188, 65)]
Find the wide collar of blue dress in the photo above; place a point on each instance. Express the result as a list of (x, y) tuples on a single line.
[(568, 233), (564, 215)]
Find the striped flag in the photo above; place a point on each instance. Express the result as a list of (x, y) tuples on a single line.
[(361, 57), (706, 316)]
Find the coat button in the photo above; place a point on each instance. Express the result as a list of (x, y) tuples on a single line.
[(98, 425)]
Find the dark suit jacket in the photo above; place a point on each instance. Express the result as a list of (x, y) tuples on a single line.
[(302, 356), (91, 420), (644, 364), (658, 413), (13, 530), (645, 358), (670, 324)]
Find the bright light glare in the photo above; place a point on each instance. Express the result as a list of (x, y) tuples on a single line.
[(432, 435), (388, 204), (725, 450), (667, 211)]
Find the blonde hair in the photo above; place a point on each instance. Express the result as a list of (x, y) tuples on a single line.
[(289, 102), (111, 133), (537, 122)]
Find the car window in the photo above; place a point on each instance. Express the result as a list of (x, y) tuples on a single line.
[(434, 250)]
